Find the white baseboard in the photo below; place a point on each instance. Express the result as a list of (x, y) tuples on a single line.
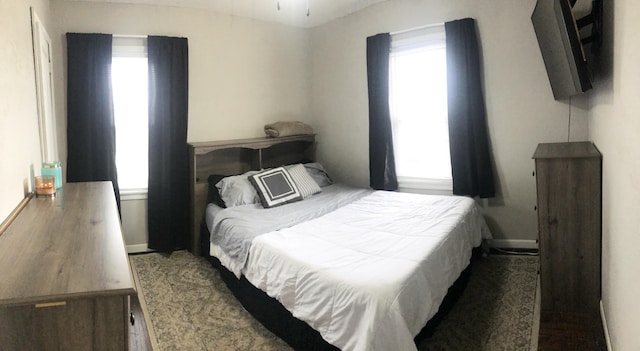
[(605, 327), (513, 244), (137, 248)]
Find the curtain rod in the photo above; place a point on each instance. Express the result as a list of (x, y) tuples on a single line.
[(418, 28)]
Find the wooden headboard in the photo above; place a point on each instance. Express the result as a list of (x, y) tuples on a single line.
[(231, 157)]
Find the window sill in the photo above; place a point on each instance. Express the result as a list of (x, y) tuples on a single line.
[(133, 194), (425, 186)]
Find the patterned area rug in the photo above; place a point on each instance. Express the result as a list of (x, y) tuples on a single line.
[(189, 307), (496, 310)]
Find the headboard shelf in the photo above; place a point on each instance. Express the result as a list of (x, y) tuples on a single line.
[(253, 143), (230, 157)]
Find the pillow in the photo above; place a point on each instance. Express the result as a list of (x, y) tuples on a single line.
[(275, 187), (237, 190), (214, 195), (303, 180), (317, 172)]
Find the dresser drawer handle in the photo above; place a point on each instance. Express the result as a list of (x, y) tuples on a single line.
[(51, 304)]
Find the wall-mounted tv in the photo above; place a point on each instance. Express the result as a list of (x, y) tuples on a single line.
[(562, 49)]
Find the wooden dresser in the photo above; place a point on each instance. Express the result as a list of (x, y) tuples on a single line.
[(65, 273), (569, 189)]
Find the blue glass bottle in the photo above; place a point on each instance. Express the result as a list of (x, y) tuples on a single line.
[(53, 169)]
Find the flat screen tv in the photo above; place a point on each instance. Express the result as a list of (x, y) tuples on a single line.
[(562, 51)]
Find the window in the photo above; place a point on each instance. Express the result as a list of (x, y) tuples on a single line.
[(418, 104), (130, 99)]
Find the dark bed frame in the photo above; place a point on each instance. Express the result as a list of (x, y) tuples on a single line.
[(298, 334), (238, 156)]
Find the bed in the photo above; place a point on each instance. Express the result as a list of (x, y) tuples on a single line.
[(343, 268)]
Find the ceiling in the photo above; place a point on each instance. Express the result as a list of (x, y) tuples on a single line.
[(291, 12)]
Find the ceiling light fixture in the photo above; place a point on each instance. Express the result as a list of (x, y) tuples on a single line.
[(308, 11)]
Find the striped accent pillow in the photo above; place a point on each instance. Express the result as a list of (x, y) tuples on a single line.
[(306, 185)]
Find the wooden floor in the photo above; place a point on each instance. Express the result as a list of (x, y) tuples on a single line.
[(568, 332), (138, 335)]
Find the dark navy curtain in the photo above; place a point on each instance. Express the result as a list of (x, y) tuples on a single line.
[(168, 196), (469, 144), (382, 167), (91, 133)]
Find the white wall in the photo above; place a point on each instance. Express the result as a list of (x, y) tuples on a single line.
[(614, 127), (20, 143), (133, 208), (243, 73), (521, 111)]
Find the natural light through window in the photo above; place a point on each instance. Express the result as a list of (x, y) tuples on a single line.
[(418, 102), (130, 96)]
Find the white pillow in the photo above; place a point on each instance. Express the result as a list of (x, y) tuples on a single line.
[(306, 185), (237, 190)]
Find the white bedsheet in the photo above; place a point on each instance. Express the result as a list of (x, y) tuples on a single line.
[(232, 230), (369, 275)]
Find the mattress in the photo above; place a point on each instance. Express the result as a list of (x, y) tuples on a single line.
[(369, 273), (233, 229)]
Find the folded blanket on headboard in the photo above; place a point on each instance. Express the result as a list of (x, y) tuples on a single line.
[(282, 129)]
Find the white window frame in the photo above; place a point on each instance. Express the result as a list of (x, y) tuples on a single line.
[(403, 42), (44, 90)]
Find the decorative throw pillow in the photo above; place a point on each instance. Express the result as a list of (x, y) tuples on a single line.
[(237, 190), (303, 180), (275, 187)]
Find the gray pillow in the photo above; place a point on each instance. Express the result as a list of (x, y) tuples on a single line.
[(317, 172), (237, 190)]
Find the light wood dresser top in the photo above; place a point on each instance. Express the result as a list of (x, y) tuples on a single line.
[(70, 246)]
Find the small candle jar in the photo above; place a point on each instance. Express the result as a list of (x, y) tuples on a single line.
[(45, 186)]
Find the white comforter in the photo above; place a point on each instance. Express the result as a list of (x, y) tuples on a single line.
[(369, 275)]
